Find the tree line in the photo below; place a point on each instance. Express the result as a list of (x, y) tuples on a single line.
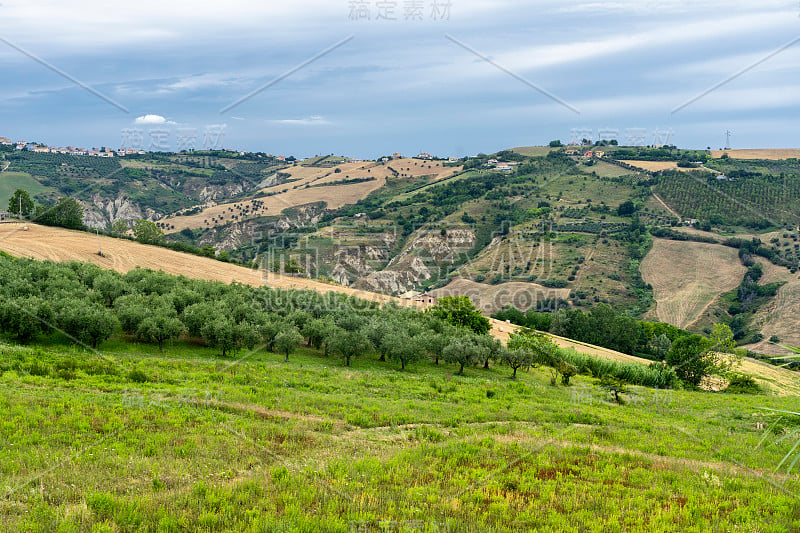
[(692, 357), (88, 305)]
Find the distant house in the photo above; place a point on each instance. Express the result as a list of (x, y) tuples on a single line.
[(588, 154), (5, 215), (397, 155), (598, 153), (570, 152), (5, 141), (504, 168), (41, 149), (427, 299), (424, 155)]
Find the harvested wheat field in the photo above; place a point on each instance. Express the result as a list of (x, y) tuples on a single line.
[(652, 166), (57, 244), (776, 380), (779, 317), (656, 166), (597, 351), (687, 277), (310, 185), (773, 154), (491, 298)]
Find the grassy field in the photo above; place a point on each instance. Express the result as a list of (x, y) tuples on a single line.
[(10, 181), (533, 151), (608, 170), (135, 440)]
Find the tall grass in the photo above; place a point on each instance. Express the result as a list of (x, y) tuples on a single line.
[(655, 375)]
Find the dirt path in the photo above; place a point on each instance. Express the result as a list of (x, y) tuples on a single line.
[(668, 208)]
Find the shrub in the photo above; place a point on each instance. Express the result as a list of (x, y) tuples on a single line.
[(742, 384), (138, 376)]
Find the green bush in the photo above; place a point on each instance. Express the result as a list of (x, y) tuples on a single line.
[(742, 384), (138, 376)]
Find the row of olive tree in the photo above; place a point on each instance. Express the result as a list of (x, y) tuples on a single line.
[(89, 304)]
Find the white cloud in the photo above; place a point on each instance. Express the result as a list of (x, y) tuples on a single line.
[(151, 120), (313, 120), (659, 36)]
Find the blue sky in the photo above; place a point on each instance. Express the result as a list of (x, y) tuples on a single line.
[(575, 68)]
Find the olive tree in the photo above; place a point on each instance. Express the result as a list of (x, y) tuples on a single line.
[(349, 344), (463, 351), (287, 340), (160, 326), (517, 358), (86, 323), (404, 348)]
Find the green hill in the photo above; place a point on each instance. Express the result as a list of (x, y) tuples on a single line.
[(537, 216)]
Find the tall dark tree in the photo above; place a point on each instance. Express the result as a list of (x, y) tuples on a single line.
[(690, 358), (65, 213), (20, 203)]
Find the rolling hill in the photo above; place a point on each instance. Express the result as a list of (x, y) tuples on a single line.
[(57, 244), (518, 227)]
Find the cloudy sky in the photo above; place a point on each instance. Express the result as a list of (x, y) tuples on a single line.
[(366, 78)]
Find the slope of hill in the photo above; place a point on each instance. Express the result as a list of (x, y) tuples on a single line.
[(301, 185), (56, 244), (507, 223), (779, 318), (266, 445), (687, 277)]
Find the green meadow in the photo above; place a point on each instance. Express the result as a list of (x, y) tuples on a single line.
[(11, 181), (132, 439)]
